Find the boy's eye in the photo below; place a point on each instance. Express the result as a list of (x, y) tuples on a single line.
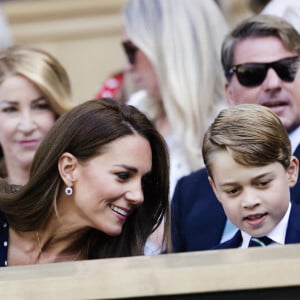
[(232, 191), (264, 183)]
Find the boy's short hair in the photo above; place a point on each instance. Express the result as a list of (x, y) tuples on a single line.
[(258, 26), (251, 133)]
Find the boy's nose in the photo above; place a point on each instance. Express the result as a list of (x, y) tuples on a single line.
[(250, 199)]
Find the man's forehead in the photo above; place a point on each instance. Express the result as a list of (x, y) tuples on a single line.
[(260, 49)]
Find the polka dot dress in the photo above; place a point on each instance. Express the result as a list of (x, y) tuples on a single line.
[(3, 241)]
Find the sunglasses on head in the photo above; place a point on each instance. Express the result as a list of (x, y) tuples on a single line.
[(130, 50), (254, 74)]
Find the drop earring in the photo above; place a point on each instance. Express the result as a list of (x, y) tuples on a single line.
[(68, 191)]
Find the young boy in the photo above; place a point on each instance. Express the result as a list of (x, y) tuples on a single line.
[(247, 153)]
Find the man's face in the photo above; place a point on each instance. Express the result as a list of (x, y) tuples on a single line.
[(273, 92)]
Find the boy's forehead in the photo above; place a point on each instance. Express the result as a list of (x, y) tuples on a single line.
[(226, 170)]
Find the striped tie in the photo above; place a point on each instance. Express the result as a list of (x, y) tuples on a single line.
[(260, 242)]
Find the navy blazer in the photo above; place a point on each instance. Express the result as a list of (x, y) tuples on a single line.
[(292, 233), (197, 217)]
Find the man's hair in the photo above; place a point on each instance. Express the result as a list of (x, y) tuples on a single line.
[(258, 26)]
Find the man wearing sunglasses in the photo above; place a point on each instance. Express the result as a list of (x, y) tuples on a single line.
[(259, 59)]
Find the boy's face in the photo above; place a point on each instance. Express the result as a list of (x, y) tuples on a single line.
[(255, 199)]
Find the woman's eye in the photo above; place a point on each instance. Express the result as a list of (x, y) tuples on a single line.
[(42, 106), (9, 109), (123, 175)]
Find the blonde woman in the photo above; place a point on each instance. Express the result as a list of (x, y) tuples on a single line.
[(34, 91), (173, 49)]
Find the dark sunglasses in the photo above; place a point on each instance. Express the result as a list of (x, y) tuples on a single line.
[(130, 50), (254, 74)]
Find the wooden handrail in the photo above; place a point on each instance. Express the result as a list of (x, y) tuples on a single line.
[(195, 274)]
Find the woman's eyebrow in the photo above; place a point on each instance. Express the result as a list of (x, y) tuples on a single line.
[(131, 169)]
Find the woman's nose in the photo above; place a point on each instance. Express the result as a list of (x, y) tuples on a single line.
[(26, 123), (135, 194)]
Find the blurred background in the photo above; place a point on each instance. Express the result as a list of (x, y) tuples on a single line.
[(85, 35)]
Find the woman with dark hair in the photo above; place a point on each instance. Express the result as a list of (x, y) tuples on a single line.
[(98, 187)]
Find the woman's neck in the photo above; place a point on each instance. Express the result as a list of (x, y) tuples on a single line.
[(52, 243), (163, 125), (17, 175)]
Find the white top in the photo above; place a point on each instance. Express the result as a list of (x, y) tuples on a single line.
[(286, 9)]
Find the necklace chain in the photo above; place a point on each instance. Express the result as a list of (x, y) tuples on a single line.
[(41, 250), (39, 244)]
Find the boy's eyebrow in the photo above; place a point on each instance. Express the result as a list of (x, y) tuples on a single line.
[(261, 175), (252, 179)]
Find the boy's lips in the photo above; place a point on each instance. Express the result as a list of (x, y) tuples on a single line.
[(255, 219)]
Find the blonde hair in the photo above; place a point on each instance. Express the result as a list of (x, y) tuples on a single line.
[(43, 70), (251, 133), (182, 40)]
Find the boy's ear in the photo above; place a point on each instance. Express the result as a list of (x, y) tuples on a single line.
[(213, 186), (67, 167), (293, 170)]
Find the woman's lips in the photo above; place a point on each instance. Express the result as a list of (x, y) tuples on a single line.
[(29, 143)]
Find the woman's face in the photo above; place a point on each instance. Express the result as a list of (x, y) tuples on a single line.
[(143, 72), (25, 118), (108, 187)]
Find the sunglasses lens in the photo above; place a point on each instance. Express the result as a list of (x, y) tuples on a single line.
[(286, 69), (130, 51), (251, 74)]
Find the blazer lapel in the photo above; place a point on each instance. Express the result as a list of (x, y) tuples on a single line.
[(293, 228), (295, 191), (235, 242)]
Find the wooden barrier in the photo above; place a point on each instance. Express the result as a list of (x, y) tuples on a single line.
[(256, 273), (84, 35)]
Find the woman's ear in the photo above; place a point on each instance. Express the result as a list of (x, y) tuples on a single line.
[(67, 167)]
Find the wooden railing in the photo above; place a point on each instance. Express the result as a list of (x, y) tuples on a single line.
[(83, 34), (257, 273)]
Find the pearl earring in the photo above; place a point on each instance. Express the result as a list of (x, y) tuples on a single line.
[(69, 191)]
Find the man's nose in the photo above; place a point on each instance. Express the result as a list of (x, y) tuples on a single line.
[(272, 80)]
